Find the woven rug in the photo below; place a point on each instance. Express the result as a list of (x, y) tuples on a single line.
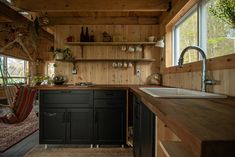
[(39, 151), (10, 134)]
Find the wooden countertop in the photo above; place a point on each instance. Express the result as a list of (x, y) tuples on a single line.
[(206, 125), (73, 87)]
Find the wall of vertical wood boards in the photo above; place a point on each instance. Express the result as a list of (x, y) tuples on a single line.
[(103, 72), (191, 79)]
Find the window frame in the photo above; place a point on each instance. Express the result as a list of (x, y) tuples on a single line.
[(5, 69), (175, 56)]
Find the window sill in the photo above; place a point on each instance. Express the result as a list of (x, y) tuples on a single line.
[(218, 63)]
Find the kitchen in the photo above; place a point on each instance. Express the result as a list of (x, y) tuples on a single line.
[(103, 74)]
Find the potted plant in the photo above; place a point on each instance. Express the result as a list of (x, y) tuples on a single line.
[(62, 54), (58, 54), (67, 54)]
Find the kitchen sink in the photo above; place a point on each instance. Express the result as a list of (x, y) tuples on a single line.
[(179, 93)]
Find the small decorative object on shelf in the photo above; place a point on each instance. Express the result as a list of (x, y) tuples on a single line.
[(92, 37), (82, 35), (69, 38), (107, 37), (87, 35), (151, 38)]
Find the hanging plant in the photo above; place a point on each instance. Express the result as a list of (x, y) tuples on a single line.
[(225, 10)]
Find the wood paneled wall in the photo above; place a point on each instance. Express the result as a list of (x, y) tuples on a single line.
[(103, 72), (192, 80)]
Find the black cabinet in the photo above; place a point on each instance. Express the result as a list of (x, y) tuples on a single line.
[(143, 130), (52, 126), (82, 117), (80, 126), (66, 117), (109, 109), (109, 126)]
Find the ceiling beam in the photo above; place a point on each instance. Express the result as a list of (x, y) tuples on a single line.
[(13, 15), (92, 5), (103, 21)]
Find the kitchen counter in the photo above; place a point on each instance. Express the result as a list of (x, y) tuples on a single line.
[(74, 87), (206, 125)]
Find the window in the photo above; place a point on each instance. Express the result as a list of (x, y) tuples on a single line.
[(50, 69), (199, 27), (14, 70)]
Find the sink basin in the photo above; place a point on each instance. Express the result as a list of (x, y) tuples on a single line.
[(179, 93)]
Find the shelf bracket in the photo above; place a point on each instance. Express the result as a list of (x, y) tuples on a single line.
[(134, 65), (143, 51), (82, 48)]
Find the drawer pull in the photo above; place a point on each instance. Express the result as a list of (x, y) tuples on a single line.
[(49, 114)]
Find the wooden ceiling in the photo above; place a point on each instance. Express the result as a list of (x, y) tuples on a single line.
[(96, 11)]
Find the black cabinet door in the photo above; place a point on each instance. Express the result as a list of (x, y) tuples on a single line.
[(52, 126), (79, 126), (109, 126), (136, 129), (147, 122), (144, 130)]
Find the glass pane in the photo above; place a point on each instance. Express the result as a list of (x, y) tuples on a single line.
[(15, 67), (1, 65), (16, 81), (220, 37), (50, 69), (187, 35)]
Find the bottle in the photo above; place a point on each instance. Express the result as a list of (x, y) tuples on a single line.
[(87, 35), (82, 36), (92, 37)]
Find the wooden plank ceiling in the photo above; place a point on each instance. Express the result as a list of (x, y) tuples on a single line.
[(63, 12)]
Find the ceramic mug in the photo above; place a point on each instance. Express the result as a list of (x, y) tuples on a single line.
[(115, 65), (123, 48), (138, 48), (131, 49), (124, 65), (119, 64), (130, 65)]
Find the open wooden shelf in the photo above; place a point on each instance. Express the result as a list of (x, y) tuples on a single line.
[(109, 43), (82, 44), (176, 149), (107, 60), (134, 61)]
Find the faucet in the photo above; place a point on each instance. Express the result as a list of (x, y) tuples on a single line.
[(204, 80)]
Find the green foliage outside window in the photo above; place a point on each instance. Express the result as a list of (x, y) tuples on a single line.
[(225, 10)]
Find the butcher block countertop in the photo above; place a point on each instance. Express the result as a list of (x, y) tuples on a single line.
[(206, 125)]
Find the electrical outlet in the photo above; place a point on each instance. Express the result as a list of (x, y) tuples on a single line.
[(74, 71), (138, 72)]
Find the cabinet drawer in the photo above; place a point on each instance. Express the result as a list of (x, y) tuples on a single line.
[(109, 103), (110, 94), (66, 98)]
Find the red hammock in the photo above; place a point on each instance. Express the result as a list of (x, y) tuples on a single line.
[(22, 105)]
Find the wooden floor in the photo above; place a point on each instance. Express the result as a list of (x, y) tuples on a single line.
[(21, 148), (29, 147)]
